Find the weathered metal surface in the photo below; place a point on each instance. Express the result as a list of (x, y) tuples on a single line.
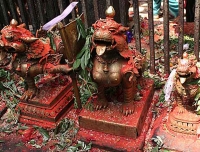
[(137, 25), (181, 28), (4, 11), (184, 118), (73, 11), (111, 120), (123, 9), (116, 6), (83, 2), (109, 3), (96, 13), (13, 9), (112, 55), (50, 10), (151, 36), (166, 35), (23, 13), (197, 28), (101, 9), (40, 8), (69, 37), (62, 5), (32, 14)]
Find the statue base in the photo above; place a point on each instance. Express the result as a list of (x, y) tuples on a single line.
[(48, 107), (179, 132), (109, 128)]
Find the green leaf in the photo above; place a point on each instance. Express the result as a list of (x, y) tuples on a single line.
[(19, 144), (50, 35), (21, 127), (62, 127), (81, 28), (197, 97), (32, 142), (61, 145), (76, 64), (72, 149), (155, 149), (139, 87), (83, 62), (2, 87), (44, 133), (87, 57), (80, 54)]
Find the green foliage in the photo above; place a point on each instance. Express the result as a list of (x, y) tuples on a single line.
[(83, 57), (4, 74), (84, 65), (64, 132), (81, 29), (80, 147), (197, 102), (44, 133), (162, 97), (159, 143), (51, 37), (158, 81), (155, 149), (10, 94)]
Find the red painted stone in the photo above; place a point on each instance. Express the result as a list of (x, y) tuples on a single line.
[(108, 128), (174, 140), (48, 108)]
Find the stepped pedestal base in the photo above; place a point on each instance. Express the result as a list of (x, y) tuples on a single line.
[(48, 107), (109, 128)]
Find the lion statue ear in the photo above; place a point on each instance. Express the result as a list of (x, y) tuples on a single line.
[(29, 39), (23, 25)]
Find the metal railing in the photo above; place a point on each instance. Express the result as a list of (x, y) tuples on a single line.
[(35, 13)]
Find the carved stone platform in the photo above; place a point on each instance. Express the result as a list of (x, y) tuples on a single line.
[(48, 107), (175, 141), (187, 122), (109, 128)]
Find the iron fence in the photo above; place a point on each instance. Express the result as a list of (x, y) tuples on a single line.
[(35, 13)]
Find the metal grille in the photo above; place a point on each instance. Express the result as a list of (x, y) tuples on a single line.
[(35, 13)]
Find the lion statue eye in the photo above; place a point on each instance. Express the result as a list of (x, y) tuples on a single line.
[(112, 29), (9, 37)]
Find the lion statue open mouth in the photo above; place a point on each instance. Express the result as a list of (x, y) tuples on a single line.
[(28, 55), (114, 62)]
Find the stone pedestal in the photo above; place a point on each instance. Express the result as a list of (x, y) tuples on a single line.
[(176, 141), (103, 126), (179, 131), (48, 107)]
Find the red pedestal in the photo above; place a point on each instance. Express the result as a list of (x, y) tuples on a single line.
[(175, 140), (108, 128), (48, 107)]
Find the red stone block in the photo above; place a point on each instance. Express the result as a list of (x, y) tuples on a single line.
[(48, 108), (109, 128), (172, 140)]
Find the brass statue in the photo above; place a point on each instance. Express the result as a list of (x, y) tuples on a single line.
[(183, 117), (29, 56), (114, 63)]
